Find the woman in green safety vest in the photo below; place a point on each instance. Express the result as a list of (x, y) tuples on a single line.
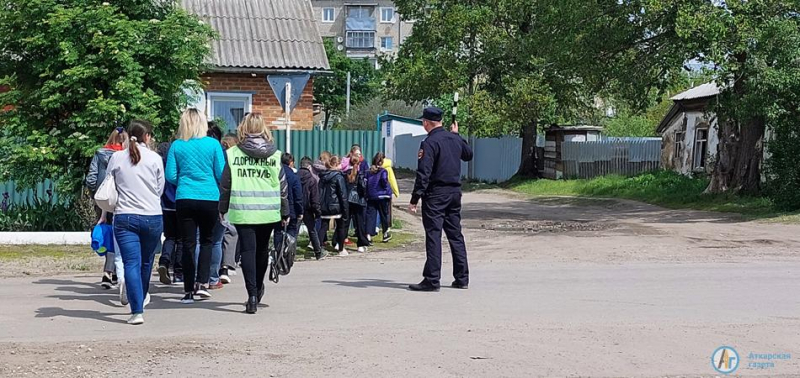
[(255, 196)]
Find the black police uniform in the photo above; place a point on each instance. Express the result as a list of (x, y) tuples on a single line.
[(438, 183)]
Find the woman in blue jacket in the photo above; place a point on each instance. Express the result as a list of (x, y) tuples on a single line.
[(194, 164)]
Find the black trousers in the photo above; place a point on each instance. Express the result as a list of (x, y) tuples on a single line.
[(310, 220), (339, 234), (375, 208), (442, 211), (194, 215), (358, 215), (172, 250), (254, 244)]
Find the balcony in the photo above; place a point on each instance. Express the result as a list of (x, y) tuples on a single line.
[(360, 32)]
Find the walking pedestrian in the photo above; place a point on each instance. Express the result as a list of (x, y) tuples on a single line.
[(296, 208), (117, 141), (438, 184), (139, 176), (255, 197), (230, 244), (357, 199), (333, 203), (310, 183), (172, 249), (218, 234), (195, 165), (379, 195), (321, 165)]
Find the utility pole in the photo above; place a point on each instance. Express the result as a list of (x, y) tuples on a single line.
[(288, 105), (347, 112)]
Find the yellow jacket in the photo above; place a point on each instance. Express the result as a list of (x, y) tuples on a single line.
[(387, 165)]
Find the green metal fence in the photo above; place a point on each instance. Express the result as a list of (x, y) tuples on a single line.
[(337, 142)]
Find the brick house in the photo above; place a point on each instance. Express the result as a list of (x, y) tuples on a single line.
[(262, 44)]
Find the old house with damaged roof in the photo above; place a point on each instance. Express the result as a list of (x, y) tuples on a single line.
[(262, 45), (689, 131)]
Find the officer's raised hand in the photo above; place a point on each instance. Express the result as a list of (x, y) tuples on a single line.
[(454, 127)]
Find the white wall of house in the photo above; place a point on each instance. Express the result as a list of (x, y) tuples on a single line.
[(690, 143), (394, 127)]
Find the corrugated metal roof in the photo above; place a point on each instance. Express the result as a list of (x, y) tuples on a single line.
[(701, 91), (262, 34)]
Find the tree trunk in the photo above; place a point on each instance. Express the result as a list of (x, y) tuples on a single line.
[(327, 119), (740, 151), (527, 164)]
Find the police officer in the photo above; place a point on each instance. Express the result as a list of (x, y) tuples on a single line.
[(438, 184)]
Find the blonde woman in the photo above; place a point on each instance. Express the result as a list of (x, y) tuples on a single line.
[(194, 164), (255, 198)]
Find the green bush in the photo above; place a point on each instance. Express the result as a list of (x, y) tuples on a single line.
[(46, 215)]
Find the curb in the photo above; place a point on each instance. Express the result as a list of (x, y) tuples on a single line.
[(45, 238)]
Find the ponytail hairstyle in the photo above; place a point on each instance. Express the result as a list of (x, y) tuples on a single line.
[(377, 162), (355, 162), (138, 130), (118, 137)]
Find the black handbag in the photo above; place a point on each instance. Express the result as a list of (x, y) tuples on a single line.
[(282, 260)]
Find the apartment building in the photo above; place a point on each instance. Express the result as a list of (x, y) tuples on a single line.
[(362, 28)]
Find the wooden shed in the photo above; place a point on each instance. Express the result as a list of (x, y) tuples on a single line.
[(554, 136)]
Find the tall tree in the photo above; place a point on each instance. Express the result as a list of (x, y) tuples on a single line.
[(331, 90), (750, 47), (502, 54), (77, 67)]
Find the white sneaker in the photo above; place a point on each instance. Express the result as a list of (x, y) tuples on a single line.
[(336, 247), (123, 293), (136, 319), (362, 249), (146, 300), (202, 293), (344, 253)]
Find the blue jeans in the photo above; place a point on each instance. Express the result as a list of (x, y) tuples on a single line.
[(216, 252), (137, 237)]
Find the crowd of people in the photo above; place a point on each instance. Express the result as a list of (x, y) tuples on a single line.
[(217, 201)]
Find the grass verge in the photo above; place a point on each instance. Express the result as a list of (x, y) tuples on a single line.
[(663, 188), (47, 259)]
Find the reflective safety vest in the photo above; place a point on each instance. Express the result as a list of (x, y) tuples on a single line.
[(255, 188)]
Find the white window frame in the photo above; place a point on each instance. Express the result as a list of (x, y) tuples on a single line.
[(221, 96), (333, 13), (362, 36), (387, 48), (699, 156), (394, 15)]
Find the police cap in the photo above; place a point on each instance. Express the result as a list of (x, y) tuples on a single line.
[(432, 114)]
